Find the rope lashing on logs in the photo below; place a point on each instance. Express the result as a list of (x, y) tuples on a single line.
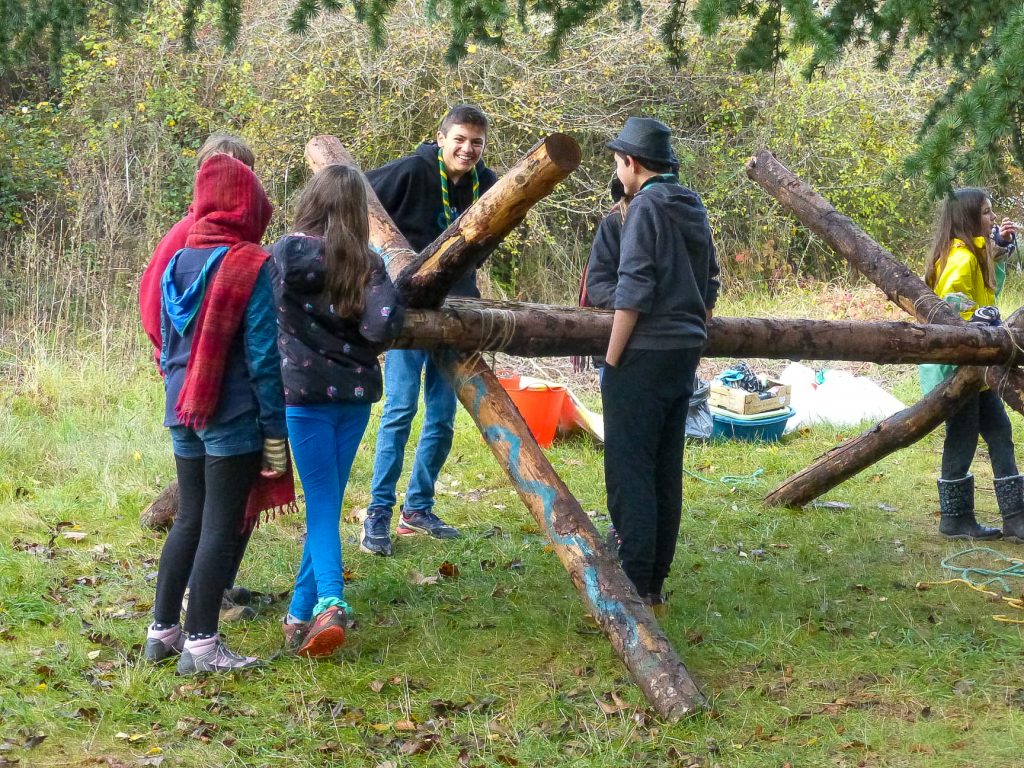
[(931, 312), (387, 254), (968, 575), (498, 324), (499, 328)]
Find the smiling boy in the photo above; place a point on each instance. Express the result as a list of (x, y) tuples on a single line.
[(424, 193)]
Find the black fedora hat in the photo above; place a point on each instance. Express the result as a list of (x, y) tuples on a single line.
[(645, 138)]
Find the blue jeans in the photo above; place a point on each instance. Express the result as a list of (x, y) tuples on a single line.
[(324, 440), (233, 437), (402, 371)]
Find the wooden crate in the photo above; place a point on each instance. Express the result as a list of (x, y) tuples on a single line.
[(741, 401)]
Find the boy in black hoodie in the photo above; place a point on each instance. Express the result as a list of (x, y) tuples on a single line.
[(664, 293), (424, 193)]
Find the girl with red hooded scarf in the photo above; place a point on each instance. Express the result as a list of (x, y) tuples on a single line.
[(224, 407)]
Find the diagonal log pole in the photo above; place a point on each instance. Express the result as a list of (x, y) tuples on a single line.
[(627, 622), (425, 278), (897, 282), (898, 431), (905, 289), (539, 330)]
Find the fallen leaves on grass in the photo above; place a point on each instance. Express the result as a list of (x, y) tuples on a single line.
[(417, 579), (422, 743), (612, 704)]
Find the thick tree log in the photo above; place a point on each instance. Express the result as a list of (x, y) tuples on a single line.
[(538, 330), (898, 281), (627, 621), (472, 237), (903, 429), (1006, 379), (159, 515), (325, 150)]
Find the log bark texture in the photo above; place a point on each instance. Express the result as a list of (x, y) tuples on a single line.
[(160, 513), (325, 150), (472, 237), (538, 330), (898, 281), (627, 621), (899, 431)]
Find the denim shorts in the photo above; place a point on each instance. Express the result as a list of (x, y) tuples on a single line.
[(233, 437)]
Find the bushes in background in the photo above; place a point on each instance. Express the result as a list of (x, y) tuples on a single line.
[(111, 163)]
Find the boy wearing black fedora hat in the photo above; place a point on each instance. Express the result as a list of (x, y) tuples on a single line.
[(664, 293)]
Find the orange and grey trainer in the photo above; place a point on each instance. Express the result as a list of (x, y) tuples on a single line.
[(325, 635)]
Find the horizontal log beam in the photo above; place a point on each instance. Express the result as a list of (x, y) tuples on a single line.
[(535, 330)]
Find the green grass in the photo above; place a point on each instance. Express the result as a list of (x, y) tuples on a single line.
[(804, 627)]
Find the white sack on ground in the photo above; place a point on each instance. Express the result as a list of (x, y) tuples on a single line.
[(840, 400)]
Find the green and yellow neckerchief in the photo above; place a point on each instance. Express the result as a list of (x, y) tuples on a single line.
[(444, 187)]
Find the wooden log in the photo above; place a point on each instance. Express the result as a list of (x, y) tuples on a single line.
[(626, 620), (898, 431), (160, 513), (537, 330), (1006, 379), (325, 150), (471, 237), (898, 281)]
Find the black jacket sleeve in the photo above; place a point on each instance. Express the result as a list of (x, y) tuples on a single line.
[(603, 265), (383, 312), (714, 283)]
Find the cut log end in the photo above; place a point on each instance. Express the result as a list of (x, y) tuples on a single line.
[(160, 514), (563, 151)]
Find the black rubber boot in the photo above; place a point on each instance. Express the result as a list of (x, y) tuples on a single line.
[(1010, 497), (956, 503)]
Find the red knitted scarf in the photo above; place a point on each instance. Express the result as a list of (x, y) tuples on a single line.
[(233, 210)]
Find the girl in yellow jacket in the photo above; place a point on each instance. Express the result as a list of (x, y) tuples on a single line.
[(962, 271)]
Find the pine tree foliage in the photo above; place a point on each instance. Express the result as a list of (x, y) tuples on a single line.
[(47, 28), (973, 128), (967, 136)]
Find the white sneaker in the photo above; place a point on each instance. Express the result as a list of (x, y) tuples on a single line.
[(219, 658)]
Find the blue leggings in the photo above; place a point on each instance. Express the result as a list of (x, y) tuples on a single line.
[(324, 440)]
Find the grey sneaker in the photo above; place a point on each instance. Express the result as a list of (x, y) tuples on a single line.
[(163, 645), (294, 635), (375, 538), (219, 658), (424, 521)]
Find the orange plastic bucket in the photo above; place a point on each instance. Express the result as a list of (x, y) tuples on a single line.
[(540, 407), (508, 379)]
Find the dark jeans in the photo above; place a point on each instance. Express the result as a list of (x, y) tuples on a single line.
[(204, 540), (982, 414), (645, 400)]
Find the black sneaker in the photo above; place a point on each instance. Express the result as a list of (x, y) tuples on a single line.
[(375, 538), (415, 521)]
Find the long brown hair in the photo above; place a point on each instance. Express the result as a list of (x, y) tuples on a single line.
[(333, 206), (958, 218)]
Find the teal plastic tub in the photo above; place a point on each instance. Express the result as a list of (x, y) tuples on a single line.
[(764, 430)]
